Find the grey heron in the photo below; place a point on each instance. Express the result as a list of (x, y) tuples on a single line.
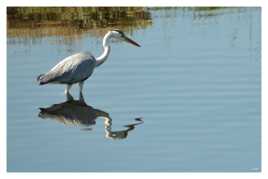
[(80, 66)]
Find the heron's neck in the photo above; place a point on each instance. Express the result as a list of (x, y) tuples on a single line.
[(106, 50)]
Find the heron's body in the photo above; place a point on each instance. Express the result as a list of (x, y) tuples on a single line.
[(73, 69), (80, 66)]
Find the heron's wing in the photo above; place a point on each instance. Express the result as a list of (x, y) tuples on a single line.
[(72, 69)]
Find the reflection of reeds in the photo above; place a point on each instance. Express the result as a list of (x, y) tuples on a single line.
[(206, 12), (65, 21), (206, 8)]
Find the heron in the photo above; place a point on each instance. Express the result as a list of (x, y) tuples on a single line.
[(77, 68)]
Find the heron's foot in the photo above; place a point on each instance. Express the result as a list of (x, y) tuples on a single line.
[(81, 99), (69, 97), (82, 102)]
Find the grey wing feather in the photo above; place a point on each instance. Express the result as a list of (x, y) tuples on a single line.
[(72, 69)]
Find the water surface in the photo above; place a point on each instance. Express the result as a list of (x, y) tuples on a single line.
[(188, 100)]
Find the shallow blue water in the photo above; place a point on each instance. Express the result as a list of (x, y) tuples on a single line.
[(196, 82)]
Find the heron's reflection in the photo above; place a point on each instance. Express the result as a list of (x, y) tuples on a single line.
[(80, 114)]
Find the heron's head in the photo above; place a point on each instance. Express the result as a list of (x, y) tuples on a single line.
[(119, 35)]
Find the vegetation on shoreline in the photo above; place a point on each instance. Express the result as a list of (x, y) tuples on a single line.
[(75, 19)]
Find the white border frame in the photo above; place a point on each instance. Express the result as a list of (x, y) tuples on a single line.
[(225, 3)]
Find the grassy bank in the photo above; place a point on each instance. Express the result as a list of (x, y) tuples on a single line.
[(47, 21)]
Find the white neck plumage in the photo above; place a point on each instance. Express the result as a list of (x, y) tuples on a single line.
[(106, 50)]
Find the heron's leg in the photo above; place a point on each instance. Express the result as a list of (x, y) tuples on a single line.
[(81, 98), (67, 93)]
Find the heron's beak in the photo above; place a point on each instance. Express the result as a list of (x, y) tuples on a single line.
[(131, 41)]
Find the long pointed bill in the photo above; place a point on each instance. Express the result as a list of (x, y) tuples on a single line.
[(131, 41)]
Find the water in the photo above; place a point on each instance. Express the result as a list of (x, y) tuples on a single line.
[(196, 84)]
